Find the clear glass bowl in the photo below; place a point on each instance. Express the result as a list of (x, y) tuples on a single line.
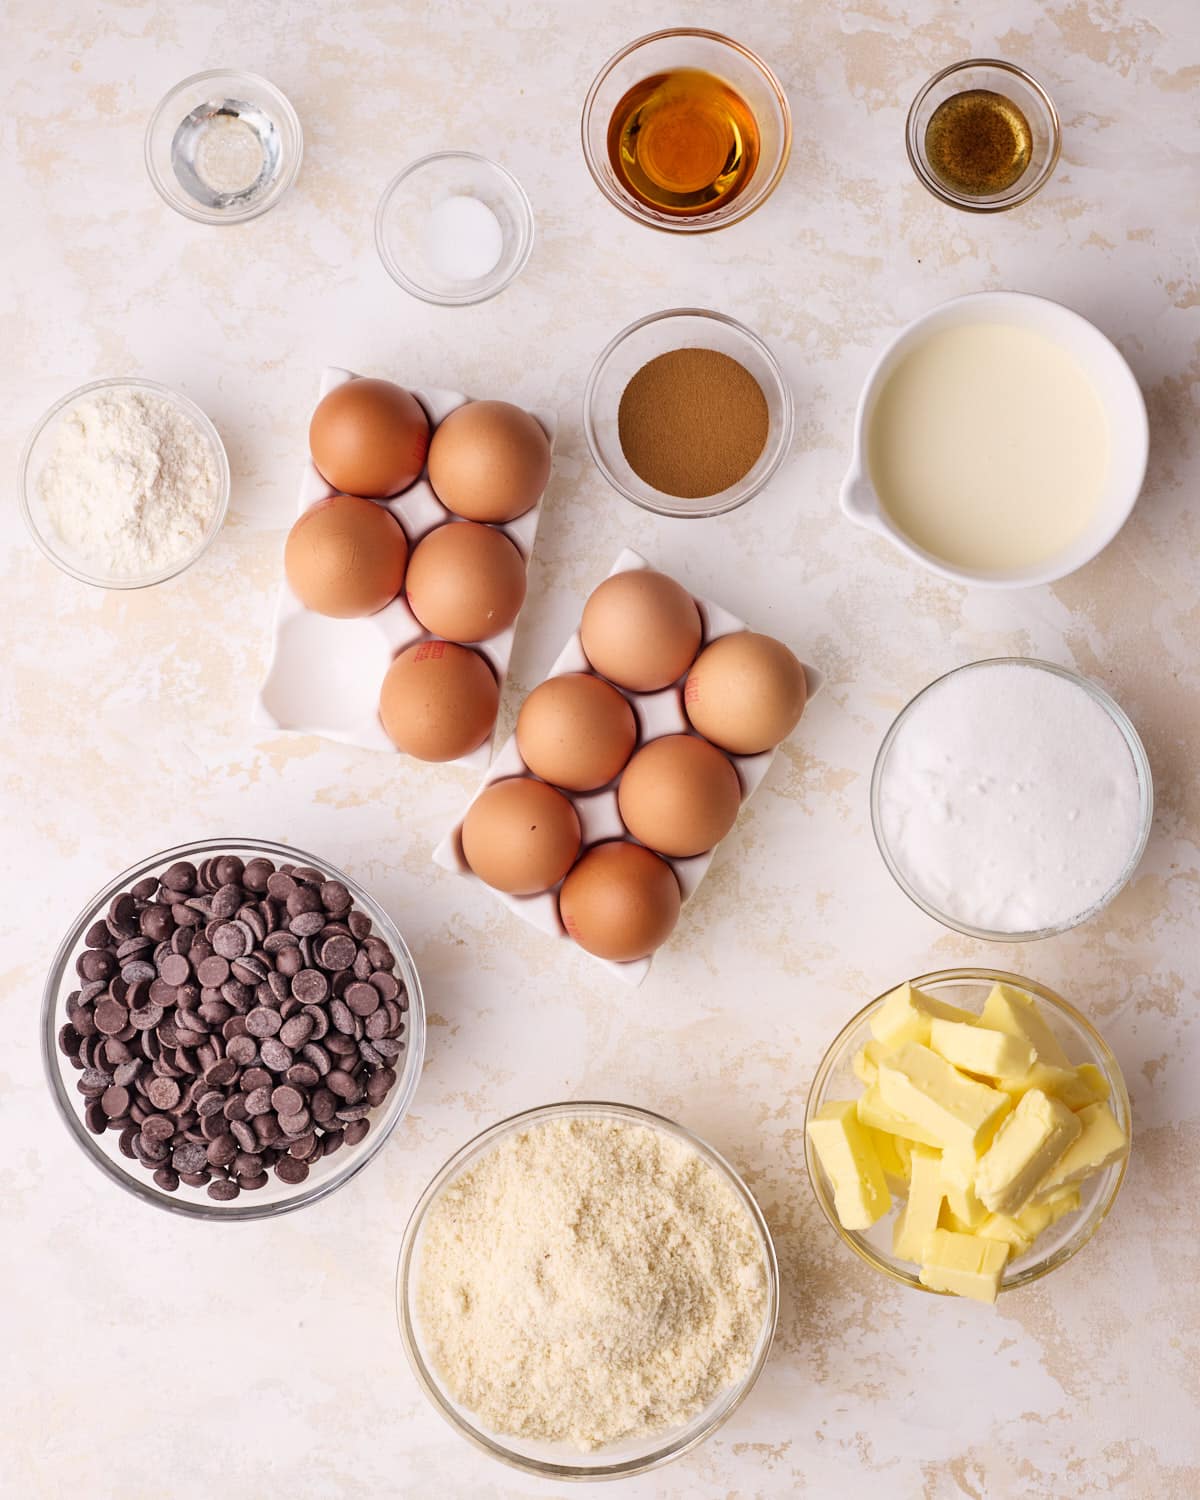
[(560, 1461), (327, 1175), (37, 449), (413, 194), (682, 328), (969, 989), (1000, 78), (661, 52), (180, 119), (1141, 767)]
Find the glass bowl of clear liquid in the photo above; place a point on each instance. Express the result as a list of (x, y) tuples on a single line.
[(223, 147)]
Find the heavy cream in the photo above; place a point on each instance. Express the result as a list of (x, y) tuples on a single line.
[(1009, 800), (988, 447)]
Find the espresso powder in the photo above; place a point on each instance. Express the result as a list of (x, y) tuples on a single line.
[(692, 422)]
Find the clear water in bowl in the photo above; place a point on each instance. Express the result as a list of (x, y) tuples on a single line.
[(226, 153)]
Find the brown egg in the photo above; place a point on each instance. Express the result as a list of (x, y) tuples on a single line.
[(746, 693), (438, 701), (489, 461), (620, 901), (345, 557), (466, 582), (576, 731), (679, 795), (369, 437), (641, 630), (521, 836)]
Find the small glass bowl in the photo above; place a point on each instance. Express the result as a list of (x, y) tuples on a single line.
[(206, 94), (660, 333), (560, 1461), (969, 989), (412, 195), (36, 451), (709, 51), (1025, 92), (1141, 766), (331, 1172)]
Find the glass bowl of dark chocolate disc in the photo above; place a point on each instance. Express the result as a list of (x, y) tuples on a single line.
[(232, 1028)]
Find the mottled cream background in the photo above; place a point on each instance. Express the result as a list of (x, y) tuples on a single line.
[(145, 1357)]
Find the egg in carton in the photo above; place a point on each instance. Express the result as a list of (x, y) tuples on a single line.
[(657, 714), (325, 674)]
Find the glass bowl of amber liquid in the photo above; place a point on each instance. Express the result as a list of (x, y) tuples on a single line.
[(983, 136), (686, 131)]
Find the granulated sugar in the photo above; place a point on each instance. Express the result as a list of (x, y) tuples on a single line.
[(130, 482), (1009, 799), (589, 1280)]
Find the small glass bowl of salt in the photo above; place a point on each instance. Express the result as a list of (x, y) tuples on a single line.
[(454, 228), (223, 146)]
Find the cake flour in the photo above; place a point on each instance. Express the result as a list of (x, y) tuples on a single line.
[(130, 482)]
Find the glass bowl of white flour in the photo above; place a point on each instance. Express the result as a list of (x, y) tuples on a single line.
[(1011, 799), (587, 1291), (124, 483)]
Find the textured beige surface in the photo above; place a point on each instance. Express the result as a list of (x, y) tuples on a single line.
[(142, 1356)]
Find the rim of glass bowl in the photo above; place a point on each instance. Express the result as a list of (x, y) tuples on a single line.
[(358, 1157), (916, 148), (452, 299), (202, 421), (898, 1271), (287, 176), (723, 1407), (698, 225), (1141, 766), (782, 389)]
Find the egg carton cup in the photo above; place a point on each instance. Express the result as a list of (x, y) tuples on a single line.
[(599, 818), (325, 675)]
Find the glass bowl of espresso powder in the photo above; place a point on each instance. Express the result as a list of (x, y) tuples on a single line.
[(687, 413)]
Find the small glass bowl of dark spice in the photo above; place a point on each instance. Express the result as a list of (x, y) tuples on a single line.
[(232, 1029), (983, 136), (687, 413)]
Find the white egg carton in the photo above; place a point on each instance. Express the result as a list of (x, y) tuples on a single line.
[(324, 675), (657, 714)]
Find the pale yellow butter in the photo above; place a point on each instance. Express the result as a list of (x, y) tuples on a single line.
[(848, 1157), (964, 1264), (962, 1200), (1076, 1087), (978, 1049), (1100, 1142), (1027, 1146), (865, 1062), (960, 1113), (919, 1217), (895, 1156), (1009, 1231), (1036, 1217), (874, 1112), (1012, 1010), (905, 1014)]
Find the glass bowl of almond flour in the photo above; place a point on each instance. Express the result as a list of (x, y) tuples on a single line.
[(587, 1291), (124, 483)]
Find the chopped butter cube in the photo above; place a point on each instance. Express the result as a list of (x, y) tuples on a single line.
[(919, 1216), (978, 1049), (865, 1062), (960, 1113), (963, 1264), (1011, 1232), (1027, 1146), (895, 1156), (948, 1219), (1076, 1087), (1093, 1080), (1036, 1217), (962, 1200), (849, 1160), (1012, 1010), (1100, 1141), (874, 1112), (904, 1016)]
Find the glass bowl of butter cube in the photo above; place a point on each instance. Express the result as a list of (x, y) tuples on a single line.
[(967, 1132)]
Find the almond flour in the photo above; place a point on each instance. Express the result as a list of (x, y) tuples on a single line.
[(589, 1280)]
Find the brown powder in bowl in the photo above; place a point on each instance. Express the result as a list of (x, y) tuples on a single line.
[(692, 422)]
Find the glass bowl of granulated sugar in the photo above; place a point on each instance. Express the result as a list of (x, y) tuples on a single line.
[(124, 483), (587, 1291)]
